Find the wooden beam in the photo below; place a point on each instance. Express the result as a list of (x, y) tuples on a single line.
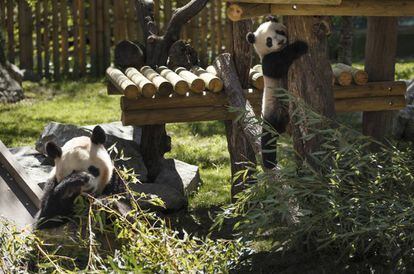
[(373, 89), (32, 190), (240, 11), (204, 112), (385, 103), (294, 2)]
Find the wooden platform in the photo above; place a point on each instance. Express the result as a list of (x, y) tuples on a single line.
[(374, 96), (243, 9), (19, 196)]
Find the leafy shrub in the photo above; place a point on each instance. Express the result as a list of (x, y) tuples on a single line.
[(355, 199), (136, 242)]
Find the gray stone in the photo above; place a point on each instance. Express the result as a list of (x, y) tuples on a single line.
[(116, 133), (404, 125), (10, 89)]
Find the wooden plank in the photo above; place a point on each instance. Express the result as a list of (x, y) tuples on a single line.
[(218, 28), (240, 11), (370, 104), (373, 89), (25, 28), (55, 38), (100, 37), (132, 24), (46, 39), (106, 34), (3, 13), (82, 41), (200, 112), (39, 44), (75, 19), (119, 21), (162, 116), (294, 2), (32, 190), (10, 31), (15, 205), (213, 38), (64, 38), (92, 38)]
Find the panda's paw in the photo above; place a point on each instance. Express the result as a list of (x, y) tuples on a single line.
[(300, 47)]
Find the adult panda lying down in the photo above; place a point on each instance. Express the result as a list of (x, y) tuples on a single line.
[(83, 165)]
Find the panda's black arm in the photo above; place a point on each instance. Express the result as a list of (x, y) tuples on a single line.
[(276, 64), (58, 200)]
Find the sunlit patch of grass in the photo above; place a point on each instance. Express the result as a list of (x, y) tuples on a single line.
[(404, 69)]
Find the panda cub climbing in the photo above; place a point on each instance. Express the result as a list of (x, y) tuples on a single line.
[(270, 42), (82, 165)]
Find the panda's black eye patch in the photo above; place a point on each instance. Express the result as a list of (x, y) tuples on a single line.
[(269, 43), (94, 171), (281, 32)]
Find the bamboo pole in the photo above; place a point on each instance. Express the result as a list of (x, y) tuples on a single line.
[(146, 87), (359, 77), (179, 84), (211, 81), (164, 87), (122, 82), (55, 39), (64, 38), (196, 84)]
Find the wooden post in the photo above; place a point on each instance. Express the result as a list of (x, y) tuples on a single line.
[(82, 38), (240, 149), (92, 37), (106, 34), (310, 78), (380, 51), (75, 18), (10, 31), (99, 38)]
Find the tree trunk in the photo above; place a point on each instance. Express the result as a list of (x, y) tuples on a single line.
[(241, 152), (310, 78), (154, 141), (345, 40), (380, 51)]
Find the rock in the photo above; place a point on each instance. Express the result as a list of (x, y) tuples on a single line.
[(404, 125), (116, 133), (34, 163), (128, 54), (10, 89)]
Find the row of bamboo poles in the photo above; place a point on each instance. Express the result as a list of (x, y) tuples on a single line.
[(75, 38)]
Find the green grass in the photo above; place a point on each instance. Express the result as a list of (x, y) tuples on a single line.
[(86, 103)]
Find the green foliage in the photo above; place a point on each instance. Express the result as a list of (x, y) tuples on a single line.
[(347, 199), (136, 242)]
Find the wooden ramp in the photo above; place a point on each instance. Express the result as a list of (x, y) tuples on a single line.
[(19, 197)]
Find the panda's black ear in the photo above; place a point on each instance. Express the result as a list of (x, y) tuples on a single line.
[(272, 18), (53, 150), (251, 38), (98, 136)]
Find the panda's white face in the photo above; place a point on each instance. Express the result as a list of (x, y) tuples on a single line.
[(269, 37), (82, 154)]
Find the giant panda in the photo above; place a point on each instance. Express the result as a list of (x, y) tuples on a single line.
[(270, 42), (82, 165)]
